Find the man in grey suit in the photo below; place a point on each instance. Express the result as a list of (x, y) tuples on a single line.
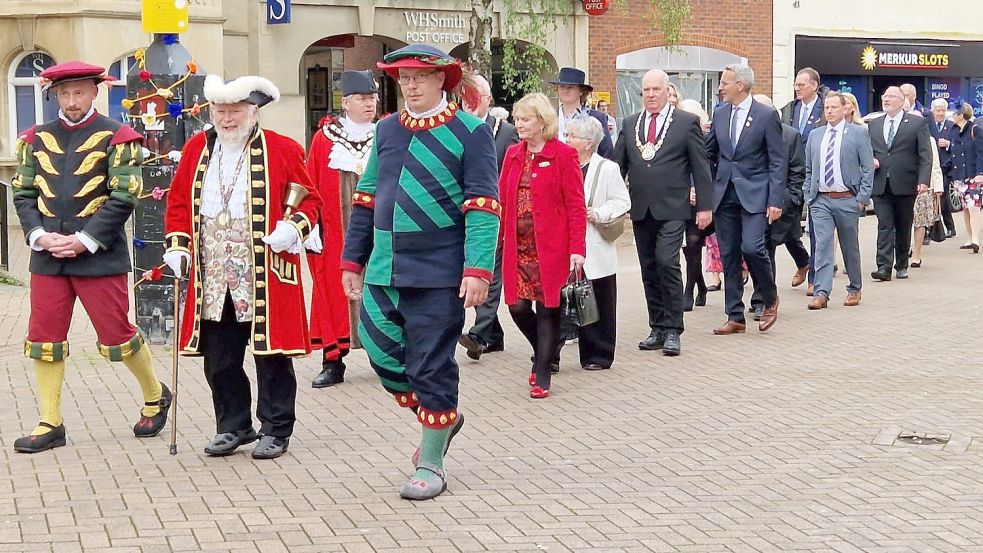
[(487, 335), (839, 180), (902, 168)]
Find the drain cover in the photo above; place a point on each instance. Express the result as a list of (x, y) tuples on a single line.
[(923, 438)]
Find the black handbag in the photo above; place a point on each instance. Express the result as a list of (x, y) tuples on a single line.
[(936, 233), (955, 200), (577, 301)]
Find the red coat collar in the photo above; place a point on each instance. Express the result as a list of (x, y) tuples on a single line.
[(549, 149)]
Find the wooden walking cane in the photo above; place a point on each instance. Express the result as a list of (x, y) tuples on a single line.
[(174, 357)]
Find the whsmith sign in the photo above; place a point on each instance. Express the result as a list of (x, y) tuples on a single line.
[(436, 27), (845, 56)]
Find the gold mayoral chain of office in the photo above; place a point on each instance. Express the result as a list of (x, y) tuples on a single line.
[(226, 188), (648, 150), (358, 149)]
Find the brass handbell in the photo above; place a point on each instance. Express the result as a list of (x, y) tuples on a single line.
[(295, 195)]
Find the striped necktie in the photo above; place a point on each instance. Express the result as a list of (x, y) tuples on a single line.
[(830, 158), (890, 134)]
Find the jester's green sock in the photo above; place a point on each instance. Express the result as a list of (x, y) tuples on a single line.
[(432, 450)]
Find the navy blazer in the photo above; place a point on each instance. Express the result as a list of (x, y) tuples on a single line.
[(945, 154), (790, 116), (963, 152), (758, 165)]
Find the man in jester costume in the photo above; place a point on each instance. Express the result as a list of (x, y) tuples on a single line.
[(339, 152), (420, 247), (78, 180), (228, 228)]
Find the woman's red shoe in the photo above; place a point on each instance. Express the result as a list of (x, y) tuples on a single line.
[(538, 393), (532, 379)]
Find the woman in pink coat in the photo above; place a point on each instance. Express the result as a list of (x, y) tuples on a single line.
[(544, 222)]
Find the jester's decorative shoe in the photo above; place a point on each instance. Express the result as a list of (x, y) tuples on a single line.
[(418, 489), (148, 427), (42, 442)]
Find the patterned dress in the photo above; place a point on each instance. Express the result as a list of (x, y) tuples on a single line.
[(530, 287)]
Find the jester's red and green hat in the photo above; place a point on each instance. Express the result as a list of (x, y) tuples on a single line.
[(457, 79)]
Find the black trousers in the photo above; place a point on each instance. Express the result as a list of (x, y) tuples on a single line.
[(223, 345), (487, 327), (693, 251), (947, 207), (597, 340), (895, 215), (658, 244)]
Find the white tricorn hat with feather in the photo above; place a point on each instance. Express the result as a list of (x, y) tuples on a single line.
[(252, 89)]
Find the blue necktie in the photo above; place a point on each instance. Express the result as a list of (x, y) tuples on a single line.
[(803, 119), (830, 151), (890, 134), (733, 126)]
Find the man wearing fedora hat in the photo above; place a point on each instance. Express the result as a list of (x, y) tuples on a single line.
[(228, 228), (420, 247), (78, 180), (339, 152), (572, 90)]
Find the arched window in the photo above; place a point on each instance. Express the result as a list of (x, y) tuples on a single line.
[(117, 91), (27, 105)]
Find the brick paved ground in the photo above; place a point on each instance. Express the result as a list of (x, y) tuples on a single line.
[(777, 442)]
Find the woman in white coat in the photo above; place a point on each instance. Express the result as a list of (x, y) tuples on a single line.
[(607, 199)]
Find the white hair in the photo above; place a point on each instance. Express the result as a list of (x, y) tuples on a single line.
[(588, 128), (498, 112), (483, 86), (696, 108), (743, 73), (940, 103)]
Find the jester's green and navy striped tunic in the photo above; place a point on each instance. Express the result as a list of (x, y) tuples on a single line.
[(426, 212)]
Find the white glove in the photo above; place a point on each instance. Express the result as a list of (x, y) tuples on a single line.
[(313, 242), (174, 259), (283, 238), (174, 156)]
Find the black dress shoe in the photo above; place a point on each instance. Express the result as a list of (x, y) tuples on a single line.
[(950, 233), (701, 299), (148, 427), (672, 347), (883, 276), (759, 311), (36, 444), (654, 341), (926, 241), (332, 372), (902, 274), (227, 443), (688, 304), (270, 447), (473, 345), (713, 288), (554, 365), (595, 367), (496, 347)]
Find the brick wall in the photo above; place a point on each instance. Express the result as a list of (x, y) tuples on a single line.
[(742, 27)]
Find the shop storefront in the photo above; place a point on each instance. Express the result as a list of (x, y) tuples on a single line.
[(952, 70)]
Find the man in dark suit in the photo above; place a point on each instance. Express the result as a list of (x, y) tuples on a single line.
[(745, 141), (787, 228), (941, 128), (805, 113), (903, 166), (487, 335), (661, 151), (572, 90)]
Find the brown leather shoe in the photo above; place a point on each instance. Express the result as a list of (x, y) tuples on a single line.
[(800, 276), (818, 302), (809, 291), (730, 327), (769, 317), (852, 299)]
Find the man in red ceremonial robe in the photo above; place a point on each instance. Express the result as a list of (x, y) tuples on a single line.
[(228, 228), (339, 151)]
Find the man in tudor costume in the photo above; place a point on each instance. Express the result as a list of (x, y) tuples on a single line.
[(227, 229), (422, 239), (339, 152), (78, 179)]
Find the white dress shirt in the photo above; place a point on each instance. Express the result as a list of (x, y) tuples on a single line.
[(838, 184), (897, 123), (745, 108), (659, 123)]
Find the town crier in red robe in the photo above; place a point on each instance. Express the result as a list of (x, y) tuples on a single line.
[(228, 229), (339, 152)]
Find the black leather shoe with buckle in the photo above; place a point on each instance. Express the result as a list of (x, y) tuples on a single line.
[(148, 427), (227, 443), (43, 442)]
